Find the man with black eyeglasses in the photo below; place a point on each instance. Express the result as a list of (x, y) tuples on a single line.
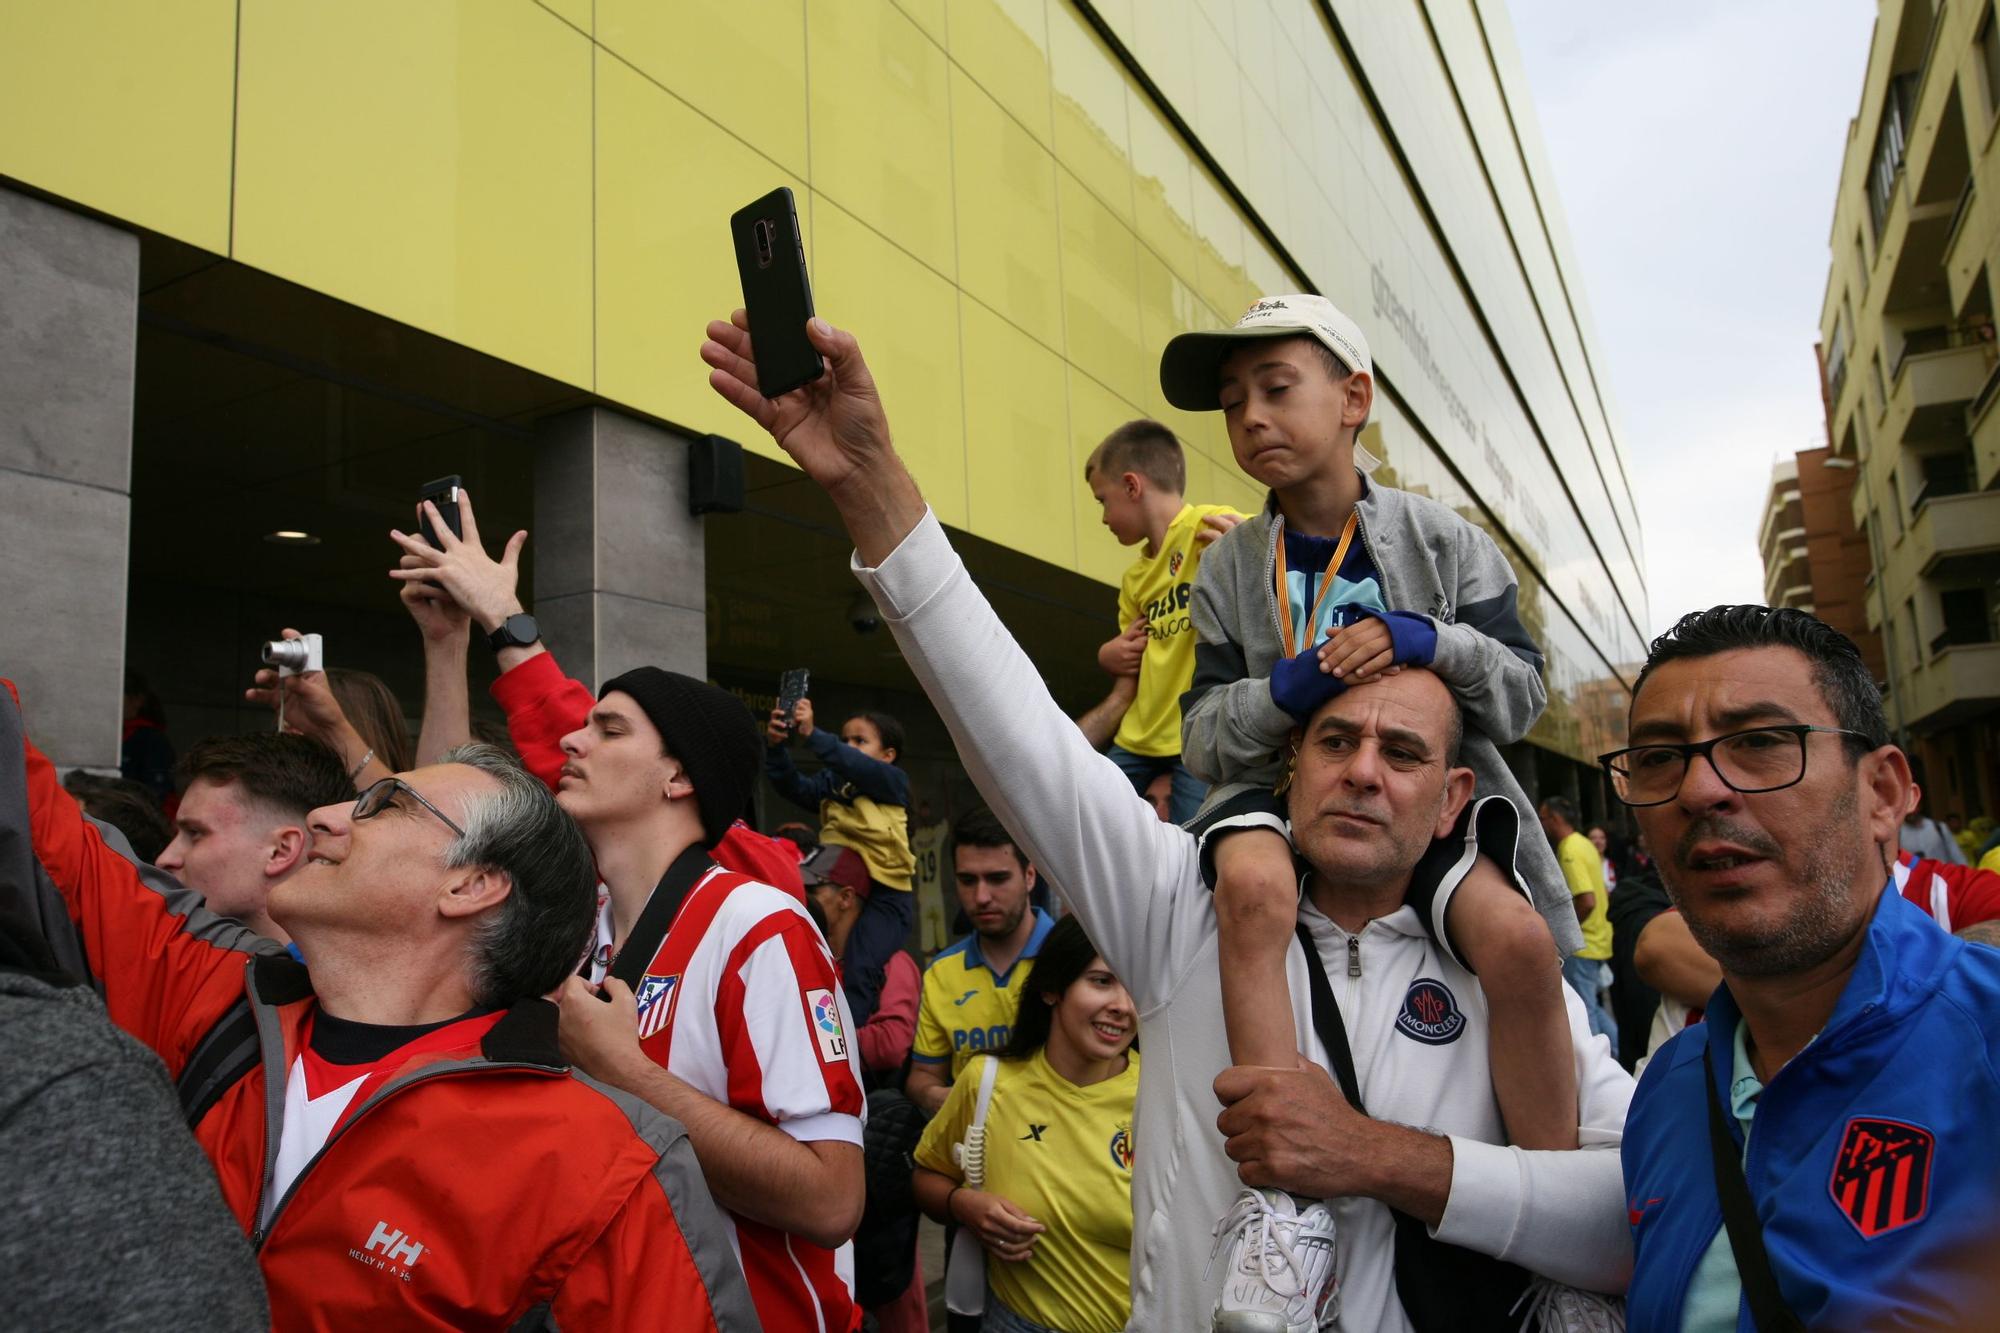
[(1818, 1153), (396, 1129)]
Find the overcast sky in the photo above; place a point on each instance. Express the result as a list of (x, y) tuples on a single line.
[(1696, 149)]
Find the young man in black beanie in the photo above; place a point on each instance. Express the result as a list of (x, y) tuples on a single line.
[(725, 1011)]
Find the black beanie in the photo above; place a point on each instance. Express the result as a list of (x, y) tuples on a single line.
[(710, 731)]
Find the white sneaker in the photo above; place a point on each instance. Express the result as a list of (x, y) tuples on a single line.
[(1555, 1308), (1280, 1277)]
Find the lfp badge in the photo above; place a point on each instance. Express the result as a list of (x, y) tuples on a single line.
[(826, 1026), (656, 996)]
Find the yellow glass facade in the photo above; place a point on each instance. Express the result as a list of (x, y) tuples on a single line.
[(1014, 203)]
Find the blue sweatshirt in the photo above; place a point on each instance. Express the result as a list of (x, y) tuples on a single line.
[(1871, 1159)]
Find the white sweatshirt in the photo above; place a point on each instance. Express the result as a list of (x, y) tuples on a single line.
[(1134, 883)]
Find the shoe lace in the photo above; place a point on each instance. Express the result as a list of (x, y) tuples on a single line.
[(1553, 1305), (1270, 1253)]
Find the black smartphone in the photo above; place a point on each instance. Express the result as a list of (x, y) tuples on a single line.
[(771, 261), (444, 494), (791, 689)]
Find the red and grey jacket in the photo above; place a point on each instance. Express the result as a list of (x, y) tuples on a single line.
[(488, 1186)]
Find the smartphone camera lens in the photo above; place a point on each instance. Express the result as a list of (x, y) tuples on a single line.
[(763, 232)]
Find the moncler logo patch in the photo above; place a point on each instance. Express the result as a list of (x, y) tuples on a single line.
[(1882, 1176), (1430, 1014)]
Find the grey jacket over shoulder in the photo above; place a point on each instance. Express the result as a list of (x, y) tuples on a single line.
[(1430, 561)]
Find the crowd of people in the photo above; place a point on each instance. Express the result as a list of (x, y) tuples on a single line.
[(1271, 1011)]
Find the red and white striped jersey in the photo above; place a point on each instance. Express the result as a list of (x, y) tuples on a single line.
[(739, 998), (1955, 896)]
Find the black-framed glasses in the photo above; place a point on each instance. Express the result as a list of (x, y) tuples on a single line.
[(1760, 759), (381, 795)]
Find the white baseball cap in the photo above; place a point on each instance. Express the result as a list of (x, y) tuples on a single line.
[(1192, 363)]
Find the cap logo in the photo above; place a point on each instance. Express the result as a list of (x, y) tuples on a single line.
[(1263, 307)]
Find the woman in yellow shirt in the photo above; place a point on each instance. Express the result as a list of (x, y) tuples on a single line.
[(1054, 1214)]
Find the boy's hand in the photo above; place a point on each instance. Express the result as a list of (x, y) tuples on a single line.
[(1213, 527), (1121, 656), (1357, 653), (777, 733), (802, 719)]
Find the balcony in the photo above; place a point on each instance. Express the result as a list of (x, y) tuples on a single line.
[(1961, 681), (1953, 535), (1937, 373), (1983, 424), (1965, 245)]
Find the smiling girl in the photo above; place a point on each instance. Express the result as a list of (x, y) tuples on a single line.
[(1055, 1211)]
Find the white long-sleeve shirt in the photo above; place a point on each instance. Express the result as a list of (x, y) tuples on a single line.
[(1135, 884)]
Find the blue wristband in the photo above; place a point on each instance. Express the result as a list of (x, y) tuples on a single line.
[(1299, 687)]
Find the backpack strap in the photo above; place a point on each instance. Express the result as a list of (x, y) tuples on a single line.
[(224, 1056), (1739, 1213)]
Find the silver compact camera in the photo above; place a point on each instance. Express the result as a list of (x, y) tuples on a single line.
[(294, 657)]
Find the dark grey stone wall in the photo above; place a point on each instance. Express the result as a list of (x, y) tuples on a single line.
[(69, 291), (619, 562)]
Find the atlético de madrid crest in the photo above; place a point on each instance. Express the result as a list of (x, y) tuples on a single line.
[(1882, 1177)]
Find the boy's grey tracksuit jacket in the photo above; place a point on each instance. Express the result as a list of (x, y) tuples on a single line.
[(1430, 561)]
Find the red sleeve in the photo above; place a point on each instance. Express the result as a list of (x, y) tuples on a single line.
[(885, 1038), (638, 1274), (543, 706), (169, 967), (1974, 894)]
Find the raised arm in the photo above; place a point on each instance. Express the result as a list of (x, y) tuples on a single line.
[(158, 954), (447, 636), (1125, 873), (870, 776)]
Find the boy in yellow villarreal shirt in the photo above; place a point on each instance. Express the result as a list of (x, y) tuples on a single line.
[(1138, 475)]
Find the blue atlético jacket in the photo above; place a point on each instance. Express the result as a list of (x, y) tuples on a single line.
[(1873, 1161)]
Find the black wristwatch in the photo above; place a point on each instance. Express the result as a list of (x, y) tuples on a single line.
[(516, 631)]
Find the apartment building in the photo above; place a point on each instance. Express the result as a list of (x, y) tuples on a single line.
[(1913, 374)]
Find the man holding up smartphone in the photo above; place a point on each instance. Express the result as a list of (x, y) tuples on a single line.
[(724, 1008)]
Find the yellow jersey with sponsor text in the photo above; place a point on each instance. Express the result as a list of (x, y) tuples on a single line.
[(1158, 587), (1063, 1155), (967, 1008)]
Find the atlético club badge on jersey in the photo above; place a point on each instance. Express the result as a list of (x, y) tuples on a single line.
[(1430, 1014), (656, 996), (1882, 1177), (1174, 565), (826, 1026)]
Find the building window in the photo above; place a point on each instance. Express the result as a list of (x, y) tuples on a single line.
[(1896, 499), (1860, 262), (1890, 139), (1965, 620), (1881, 388)]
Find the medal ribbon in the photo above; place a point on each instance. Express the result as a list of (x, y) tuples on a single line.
[(1290, 638)]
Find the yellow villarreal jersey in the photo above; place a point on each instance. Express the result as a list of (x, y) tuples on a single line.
[(967, 1009), (1158, 588), (1062, 1155)]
